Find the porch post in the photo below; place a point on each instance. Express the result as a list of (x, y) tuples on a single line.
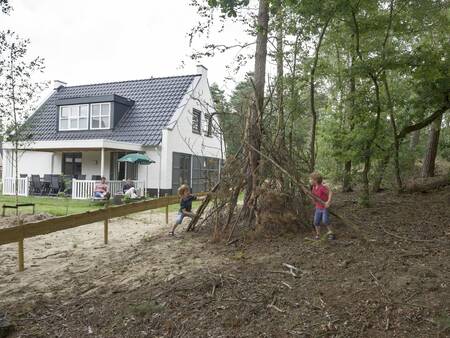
[(102, 162)]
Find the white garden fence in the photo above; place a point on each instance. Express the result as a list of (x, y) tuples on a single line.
[(9, 186), (84, 189), (81, 189)]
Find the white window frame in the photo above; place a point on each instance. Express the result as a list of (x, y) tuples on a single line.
[(69, 118), (100, 116), (199, 122)]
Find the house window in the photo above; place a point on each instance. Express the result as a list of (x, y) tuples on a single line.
[(74, 117), (209, 125), (100, 116), (196, 121), (72, 164), (205, 173), (181, 170)]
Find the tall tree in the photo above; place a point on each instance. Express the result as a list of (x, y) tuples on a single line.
[(281, 128), (18, 93), (256, 110), (312, 96)]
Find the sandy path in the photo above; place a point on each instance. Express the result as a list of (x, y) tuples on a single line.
[(76, 260)]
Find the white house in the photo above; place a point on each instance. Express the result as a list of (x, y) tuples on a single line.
[(81, 131)]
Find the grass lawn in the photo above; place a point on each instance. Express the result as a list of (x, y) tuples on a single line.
[(176, 207), (56, 206)]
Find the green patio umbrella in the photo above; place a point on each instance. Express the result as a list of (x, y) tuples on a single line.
[(140, 159), (136, 158)]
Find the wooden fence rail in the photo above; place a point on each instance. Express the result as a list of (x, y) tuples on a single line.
[(18, 233)]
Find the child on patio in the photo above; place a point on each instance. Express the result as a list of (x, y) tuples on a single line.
[(185, 206)]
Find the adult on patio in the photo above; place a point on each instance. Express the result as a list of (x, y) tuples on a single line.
[(129, 189), (101, 189)]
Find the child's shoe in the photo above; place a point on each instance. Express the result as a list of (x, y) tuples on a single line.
[(331, 236)]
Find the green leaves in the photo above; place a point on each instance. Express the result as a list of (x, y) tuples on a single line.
[(229, 7)]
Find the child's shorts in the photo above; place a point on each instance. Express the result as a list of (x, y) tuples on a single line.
[(179, 218), (321, 216)]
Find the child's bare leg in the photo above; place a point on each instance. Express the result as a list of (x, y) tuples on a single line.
[(330, 228), (317, 230), (178, 221), (173, 228)]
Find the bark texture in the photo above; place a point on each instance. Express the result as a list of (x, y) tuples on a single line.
[(429, 161)]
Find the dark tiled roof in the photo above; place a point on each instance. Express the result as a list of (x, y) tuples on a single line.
[(155, 100)]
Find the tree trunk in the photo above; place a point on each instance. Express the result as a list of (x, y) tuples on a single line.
[(368, 148), (347, 181), (281, 132), (376, 187), (428, 183), (398, 177), (254, 127), (429, 161), (414, 140), (312, 142)]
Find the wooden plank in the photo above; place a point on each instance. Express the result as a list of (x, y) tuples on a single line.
[(10, 235), (14, 234)]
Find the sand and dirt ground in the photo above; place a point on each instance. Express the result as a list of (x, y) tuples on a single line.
[(147, 284)]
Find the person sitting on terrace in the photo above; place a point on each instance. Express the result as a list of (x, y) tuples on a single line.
[(101, 189), (129, 189)]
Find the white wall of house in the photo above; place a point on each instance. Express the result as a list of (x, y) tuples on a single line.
[(153, 177), (30, 162), (41, 163), (91, 163), (178, 137), (57, 163)]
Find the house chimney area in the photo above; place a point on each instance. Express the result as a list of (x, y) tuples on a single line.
[(202, 70), (57, 84)]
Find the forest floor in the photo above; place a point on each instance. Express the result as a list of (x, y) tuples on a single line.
[(147, 284)]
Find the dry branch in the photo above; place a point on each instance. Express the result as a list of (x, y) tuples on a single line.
[(308, 193), (201, 209)]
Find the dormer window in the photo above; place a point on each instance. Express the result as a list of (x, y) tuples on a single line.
[(74, 117), (91, 112), (101, 115)]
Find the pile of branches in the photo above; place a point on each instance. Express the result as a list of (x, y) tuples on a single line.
[(275, 205)]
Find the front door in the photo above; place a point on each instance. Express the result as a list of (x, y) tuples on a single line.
[(72, 164)]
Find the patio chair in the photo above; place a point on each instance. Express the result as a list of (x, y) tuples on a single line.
[(46, 184), (81, 177), (36, 185), (55, 185), (23, 175), (96, 177)]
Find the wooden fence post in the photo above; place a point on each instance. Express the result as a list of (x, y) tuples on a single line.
[(106, 224), (21, 256), (167, 209)]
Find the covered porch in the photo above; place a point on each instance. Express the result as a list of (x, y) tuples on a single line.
[(72, 168)]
